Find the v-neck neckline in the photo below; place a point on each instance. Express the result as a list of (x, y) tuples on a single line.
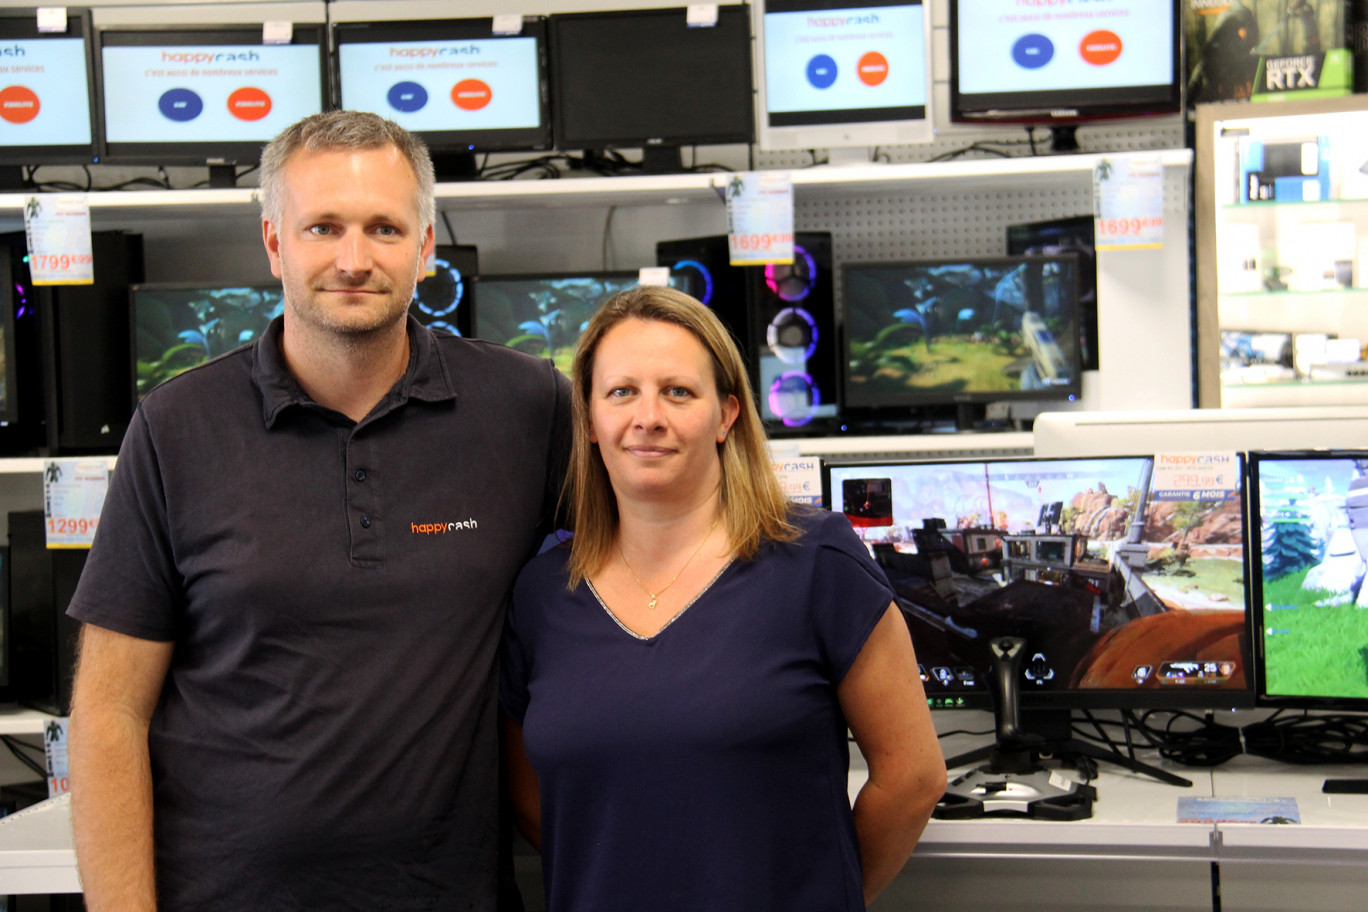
[(668, 624)]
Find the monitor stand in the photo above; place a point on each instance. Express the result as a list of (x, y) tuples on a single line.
[(662, 160), (12, 177), (222, 176), (451, 167), (1014, 781), (1063, 140)]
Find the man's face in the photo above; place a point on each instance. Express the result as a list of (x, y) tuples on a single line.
[(349, 247)]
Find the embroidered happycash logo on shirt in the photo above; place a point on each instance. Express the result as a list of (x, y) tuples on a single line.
[(443, 528)]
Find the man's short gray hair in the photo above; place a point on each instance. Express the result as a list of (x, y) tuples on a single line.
[(343, 130)]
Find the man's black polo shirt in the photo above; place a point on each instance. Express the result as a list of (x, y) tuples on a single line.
[(326, 737)]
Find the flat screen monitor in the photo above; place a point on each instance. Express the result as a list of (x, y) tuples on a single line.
[(454, 82), (181, 325), (1060, 64), (1072, 235), (976, 330), (1308, 556), (47, 95), (1125, 575), (544, 314), (647, 79), (192, 95), (837, 73)]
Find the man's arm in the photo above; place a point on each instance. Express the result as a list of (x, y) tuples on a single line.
[(523, 790), (118, 683)]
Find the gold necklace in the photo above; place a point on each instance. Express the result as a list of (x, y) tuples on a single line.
[(655, 596)]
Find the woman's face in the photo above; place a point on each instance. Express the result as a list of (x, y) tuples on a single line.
[(654, 411)]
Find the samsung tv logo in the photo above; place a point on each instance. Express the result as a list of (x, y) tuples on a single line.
[(205, 57), (842, 21), (16, 51), (422, 52)]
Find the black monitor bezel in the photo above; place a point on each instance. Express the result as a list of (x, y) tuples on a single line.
[(627, 139), (512, 139), (198, 153), (1193, 698), (1254, 549), (867, 409), (22, 24), (1066, 106)]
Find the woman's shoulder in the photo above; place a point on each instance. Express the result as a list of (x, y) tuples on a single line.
[(547, 568)]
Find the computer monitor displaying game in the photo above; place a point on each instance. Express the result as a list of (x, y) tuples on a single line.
[(1124, 575), (47, 94), (1308, 557), (840, 73), (197, 95), (178, 326), (1056, 237), (974, 330), (454, 82), (544, 313), (647, 79), (1064, 64)]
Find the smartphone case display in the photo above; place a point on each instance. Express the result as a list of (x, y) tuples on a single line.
[(1282, 253)]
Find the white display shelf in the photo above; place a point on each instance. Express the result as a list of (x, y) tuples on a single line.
[(629, 190), (36, 850), (16, 720)]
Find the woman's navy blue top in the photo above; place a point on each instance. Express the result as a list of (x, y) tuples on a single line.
[(705, 767)]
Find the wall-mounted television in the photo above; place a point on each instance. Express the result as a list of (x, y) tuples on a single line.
[(841, 73), (647, 79), (972, 330), (544, 313), (1064, 64), (1125, 578), (454, 82), (1308, 558), (205, 95), (48, 111)]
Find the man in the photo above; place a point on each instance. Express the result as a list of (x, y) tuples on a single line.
[(285, 695)]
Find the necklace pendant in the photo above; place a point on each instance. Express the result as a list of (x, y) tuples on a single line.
[(651, 605)]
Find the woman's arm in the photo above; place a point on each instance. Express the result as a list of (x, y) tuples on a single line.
[(885, 707), (523, 789)]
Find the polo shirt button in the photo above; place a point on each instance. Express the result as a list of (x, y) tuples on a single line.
[(365, 522), (359, 474)]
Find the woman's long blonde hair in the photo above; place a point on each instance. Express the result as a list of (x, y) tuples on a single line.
[(754, 508)]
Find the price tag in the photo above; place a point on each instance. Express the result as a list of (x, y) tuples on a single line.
[(508, 24), (55, 748), (73, 495), (1128, 203), (760, 218), (52, 19), (653, 275), (57, 226), (701, 15), (277, 32), (1196, 476), (800, 476)]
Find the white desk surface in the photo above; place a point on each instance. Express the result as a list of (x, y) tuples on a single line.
[(1135, 818), (1333, 828)]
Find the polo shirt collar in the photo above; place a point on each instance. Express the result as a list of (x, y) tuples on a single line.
[(427, 377)]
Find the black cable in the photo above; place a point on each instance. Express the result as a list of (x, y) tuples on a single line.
[(13, 744)]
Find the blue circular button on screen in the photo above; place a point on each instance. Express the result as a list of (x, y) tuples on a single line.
[(1032, 52), (407, 97), (821, 71), (180, 104)]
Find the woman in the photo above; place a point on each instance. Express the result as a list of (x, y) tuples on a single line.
[(680, 679)]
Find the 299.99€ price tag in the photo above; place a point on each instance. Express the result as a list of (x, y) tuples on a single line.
[(760, 218), (57, 227), (73, 495), (1128, 203)]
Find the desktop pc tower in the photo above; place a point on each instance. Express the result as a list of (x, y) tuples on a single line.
[(42, 637), (74, 364), (783, 318)]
